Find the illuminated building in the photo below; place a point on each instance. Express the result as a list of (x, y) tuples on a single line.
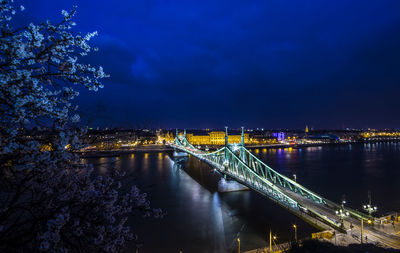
[(279, 136), (215, 138), (165, 138), (203, 139)]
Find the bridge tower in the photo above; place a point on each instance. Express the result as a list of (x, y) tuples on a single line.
[(226, 136), (242, 137), (226, 162)]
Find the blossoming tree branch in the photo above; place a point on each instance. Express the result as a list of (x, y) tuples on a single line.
[(50, 201)]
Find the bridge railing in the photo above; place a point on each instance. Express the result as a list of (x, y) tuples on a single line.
[(296, 187), (237, 167), (276, 177), (263, 171), (229, 163)]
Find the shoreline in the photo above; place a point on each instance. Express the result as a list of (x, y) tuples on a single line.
[(165, 148)]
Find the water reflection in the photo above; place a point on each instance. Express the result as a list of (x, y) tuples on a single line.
[(145, 165), (160, 162), (200, 219)]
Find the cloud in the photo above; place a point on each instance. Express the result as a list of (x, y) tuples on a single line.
[(265, 61), (141, 69), (115, 57)]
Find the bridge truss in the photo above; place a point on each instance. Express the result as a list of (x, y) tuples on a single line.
[(237, 162)]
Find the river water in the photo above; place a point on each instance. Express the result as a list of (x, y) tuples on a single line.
[(200, 219)]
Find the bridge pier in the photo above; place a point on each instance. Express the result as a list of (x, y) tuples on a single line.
[(179, 154), (253, 174), (227, 184)]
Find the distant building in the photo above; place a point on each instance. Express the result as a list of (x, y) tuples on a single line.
[(215, 138), (323, 138), (280, 136), (201, 139), (115, 139)]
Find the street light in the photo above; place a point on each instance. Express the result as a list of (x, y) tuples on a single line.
[(270, 241), (238, 240), (271, 237), (362, 228), (295, 232), (342, 214), (369, 208)]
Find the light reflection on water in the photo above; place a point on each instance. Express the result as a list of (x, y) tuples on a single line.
[(199, 219)]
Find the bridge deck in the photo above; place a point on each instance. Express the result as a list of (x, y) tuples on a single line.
[(321, 215)]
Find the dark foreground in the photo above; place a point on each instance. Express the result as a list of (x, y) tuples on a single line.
[(314, 246)]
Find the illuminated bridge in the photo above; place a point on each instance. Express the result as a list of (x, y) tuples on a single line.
[(239, 164)]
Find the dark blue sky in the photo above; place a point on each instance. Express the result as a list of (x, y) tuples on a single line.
[(271, 64)]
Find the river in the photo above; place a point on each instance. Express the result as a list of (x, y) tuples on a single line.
[(200, 219)]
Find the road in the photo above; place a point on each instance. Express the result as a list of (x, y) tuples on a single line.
[(375, 234), (371, 234)]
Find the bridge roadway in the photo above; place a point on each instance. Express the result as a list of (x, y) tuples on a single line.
[(312, 211), (373, 234), (302, 213)]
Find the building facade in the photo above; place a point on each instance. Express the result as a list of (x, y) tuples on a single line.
[(215, 138), (202, 139)]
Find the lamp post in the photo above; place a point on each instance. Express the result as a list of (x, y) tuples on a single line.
[(295, 232), (362, 229), (369, 208), (238, 240), (342, 213), (270, 241), (271, 237)]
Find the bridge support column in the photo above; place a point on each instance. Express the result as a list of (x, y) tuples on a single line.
[(226, 136), (226, 162), (229, 185), (242, 137)]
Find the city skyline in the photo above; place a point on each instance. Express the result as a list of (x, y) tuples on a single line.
[(185, 126), (272, 64)]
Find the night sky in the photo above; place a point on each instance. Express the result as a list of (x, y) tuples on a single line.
[(271, 64)]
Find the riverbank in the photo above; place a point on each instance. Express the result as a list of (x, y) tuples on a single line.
[(118, 152), (164, 148)]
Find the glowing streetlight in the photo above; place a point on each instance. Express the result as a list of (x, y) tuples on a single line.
[(342, 214), (295, 232), (271, 237), (238, 240), (270, 241), (369, 208)]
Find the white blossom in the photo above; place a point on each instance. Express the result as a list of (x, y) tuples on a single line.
[(49, 200)]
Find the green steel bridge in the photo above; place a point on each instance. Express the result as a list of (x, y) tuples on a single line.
[(238, 163)]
